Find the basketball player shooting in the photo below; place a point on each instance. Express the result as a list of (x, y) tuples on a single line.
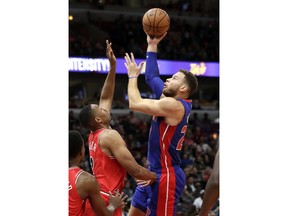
[(170, 113)]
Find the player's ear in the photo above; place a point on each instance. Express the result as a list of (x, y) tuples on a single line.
[(184, 88), (98, 120)]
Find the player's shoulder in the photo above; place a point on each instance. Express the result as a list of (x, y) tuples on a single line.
[(172, 100), (86, 175), (109, 137), (86, 178), (172, 103), (109, 132), (88, 182), (168, 99)]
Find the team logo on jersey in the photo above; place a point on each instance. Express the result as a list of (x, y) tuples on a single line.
[(92, 146)]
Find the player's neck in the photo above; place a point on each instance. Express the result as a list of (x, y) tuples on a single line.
[(101, 126), (73, 164)]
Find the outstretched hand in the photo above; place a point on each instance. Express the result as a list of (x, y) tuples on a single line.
[(110, 54), (155, 40), (144, 183), (132, 68), (117, 200)]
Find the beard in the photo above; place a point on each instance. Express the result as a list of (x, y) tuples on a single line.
[(169, 92)]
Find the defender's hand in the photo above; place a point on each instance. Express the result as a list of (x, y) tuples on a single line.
[(110, 54)]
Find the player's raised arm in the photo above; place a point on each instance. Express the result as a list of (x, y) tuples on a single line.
[(152, 75), (107, 92), (133, 71), (167, 106)]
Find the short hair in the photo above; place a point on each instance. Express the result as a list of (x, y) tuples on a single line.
[(85, 116), (192, 81), (76, 143)]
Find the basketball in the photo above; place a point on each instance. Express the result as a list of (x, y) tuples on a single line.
[(156, 22)]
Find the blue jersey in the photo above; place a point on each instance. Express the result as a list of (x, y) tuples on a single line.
[(164, 145), (166, 141)]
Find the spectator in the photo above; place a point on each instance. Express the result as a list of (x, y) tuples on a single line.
[(190, 184), (198, 201), (72, 120)]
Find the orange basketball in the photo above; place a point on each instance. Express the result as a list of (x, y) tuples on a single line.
[(156, 22)]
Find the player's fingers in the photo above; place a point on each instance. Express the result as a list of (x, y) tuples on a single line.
[(127, 57), (123, 203), (108, 45), (161, 36), (124, 197), (132, 57), (141, 65), (126, 61), (141, 182), (146, 183)]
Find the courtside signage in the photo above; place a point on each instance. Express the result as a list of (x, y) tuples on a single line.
[(166, 67)]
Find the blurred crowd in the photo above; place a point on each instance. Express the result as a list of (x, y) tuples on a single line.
[(183, 42), (204, 8), (186, 40), (198, 152)]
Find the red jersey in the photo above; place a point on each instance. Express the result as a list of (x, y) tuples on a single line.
[(76, 204), (106, 169)]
